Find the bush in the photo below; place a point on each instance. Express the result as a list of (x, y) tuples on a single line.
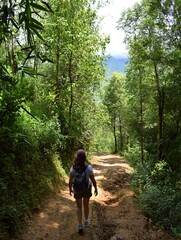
[(157, 203), (103, 141), (161, 204), (159, 192), (33, 168)]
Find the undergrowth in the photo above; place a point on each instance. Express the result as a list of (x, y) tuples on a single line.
[(31, 170), (159, 191)]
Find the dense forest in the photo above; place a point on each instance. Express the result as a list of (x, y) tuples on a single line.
[(55, 98)]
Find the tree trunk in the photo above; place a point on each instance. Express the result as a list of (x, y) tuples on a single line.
[(160, 92), (58, 86), (141, 120), (71, 89), (121, 134), (115, 139), (70, 74)]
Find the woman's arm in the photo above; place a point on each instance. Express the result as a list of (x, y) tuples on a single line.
[(71, 176), (94, 184)]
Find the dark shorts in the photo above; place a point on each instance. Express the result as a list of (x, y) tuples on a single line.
[(84, 194)]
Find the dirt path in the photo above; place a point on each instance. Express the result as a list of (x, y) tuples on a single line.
[(113, 213)]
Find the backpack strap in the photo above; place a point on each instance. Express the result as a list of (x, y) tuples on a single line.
[(86, 165)]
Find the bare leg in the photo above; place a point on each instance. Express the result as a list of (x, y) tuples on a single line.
[(86, 208), (79, 210)]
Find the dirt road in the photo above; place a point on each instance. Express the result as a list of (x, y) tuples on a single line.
[(113, 213)]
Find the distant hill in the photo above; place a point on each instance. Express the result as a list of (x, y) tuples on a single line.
[(116, 64)]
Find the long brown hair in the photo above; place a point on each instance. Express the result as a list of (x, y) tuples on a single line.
[(80, 159)]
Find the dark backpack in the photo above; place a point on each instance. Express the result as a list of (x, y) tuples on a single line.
[(80, 182)]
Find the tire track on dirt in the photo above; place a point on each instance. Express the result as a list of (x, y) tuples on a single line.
[(113, 213)]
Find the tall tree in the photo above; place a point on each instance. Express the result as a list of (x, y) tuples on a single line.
[(148, 28), (114, 101), (76, 47), (153, 86)]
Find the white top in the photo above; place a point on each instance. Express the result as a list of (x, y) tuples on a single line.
[(88, 171)]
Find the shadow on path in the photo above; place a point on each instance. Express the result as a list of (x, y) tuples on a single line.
[(113, 213)]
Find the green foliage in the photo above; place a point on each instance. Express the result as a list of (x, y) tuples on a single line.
[(160, 202), (158, 189), (115, 104), (153, 99), (10, 222), (34, 169), (104, 141), (157, 203), (51, 65), (132, 154), (160, 171), (75, 47)]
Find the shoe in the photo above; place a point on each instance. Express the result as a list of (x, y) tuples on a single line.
[(80, 230), (86, 223)]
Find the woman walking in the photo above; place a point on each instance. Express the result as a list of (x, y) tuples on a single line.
[(80, 183)]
